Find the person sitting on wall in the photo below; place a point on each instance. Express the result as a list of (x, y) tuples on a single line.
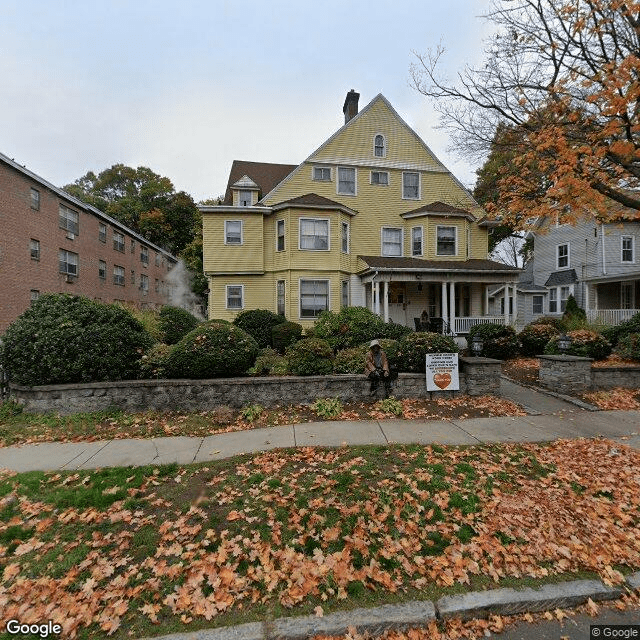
[(376, 368), (424, 320)]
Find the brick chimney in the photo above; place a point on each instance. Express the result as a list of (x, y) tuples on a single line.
[(350, 108)]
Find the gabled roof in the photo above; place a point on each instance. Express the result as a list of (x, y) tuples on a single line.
[(384, 263), (559, 278), (441, 209), (266, 175), (245, 183), (313, 201)]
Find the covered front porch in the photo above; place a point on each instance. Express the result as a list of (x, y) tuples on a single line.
[(611, 301), (454, 294)]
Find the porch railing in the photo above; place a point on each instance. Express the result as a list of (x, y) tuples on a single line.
[(610, 316), (462, 325)]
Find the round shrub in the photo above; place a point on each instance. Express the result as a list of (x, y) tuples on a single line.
[(614, 334), (585, 343), (285, 334), (258, 324), (63, 338), (558, 323), (534, 337), (175, 323), (350, 327), (629, 346), (499, 341), (152, 364), (310, 357), (212, 350), (412, 349), (351, 360), (269, 363), (394, 331)]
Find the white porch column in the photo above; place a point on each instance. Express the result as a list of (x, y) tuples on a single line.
[(515, 305), (452, 306), (376, 297), (486, 299), (385, 300), (506, 304), (445, 307), (586, 297)]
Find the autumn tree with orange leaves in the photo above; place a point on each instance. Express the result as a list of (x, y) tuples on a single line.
[(563, 77)]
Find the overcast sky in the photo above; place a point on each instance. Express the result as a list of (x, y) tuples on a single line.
[(185, 87)]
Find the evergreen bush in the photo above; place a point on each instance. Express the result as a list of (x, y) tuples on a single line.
[(285, 334), (258, 323), (573, 315), (64, 338), (175, 323), (534, 337), (310, 357), (629, 346), (614, 334), (269, 363), (412, 349), (558, 323), (152, 364), (499, 341), (585, 343), (350, 327), (351, 360), (212, 350)]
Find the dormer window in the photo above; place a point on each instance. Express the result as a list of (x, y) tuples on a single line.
[(379, 146), (245, 198)]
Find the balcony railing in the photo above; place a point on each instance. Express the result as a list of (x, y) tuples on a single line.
[(462, 325), (610, 316)]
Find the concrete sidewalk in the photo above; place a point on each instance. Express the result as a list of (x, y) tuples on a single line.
[(618, 425)]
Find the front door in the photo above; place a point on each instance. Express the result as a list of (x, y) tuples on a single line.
[(398, 302)]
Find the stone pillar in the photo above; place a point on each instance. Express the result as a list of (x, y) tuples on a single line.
[(565, 374), (385, 299)]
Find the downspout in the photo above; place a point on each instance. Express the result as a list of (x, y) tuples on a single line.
[(604, 259)]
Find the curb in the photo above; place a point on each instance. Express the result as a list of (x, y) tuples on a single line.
[(401, 617)]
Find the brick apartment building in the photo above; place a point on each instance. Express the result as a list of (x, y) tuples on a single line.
[(52, 242)]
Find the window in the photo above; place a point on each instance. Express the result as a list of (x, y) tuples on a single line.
[(102, 232), (157, 259), (233, 232), (245, 198), (34, 295), (68, 219), (34, 247), (102, 270), (565, 292), (416, 241), (68, 262), (558, 299), (314, 234), (379, 146), (133, 246), (321, 174), (118, 275), (410, 186), (118, 241), (344, 237), (144, 255), (280, 295), (133, 276), (35, 199), (280, 235), (627, 249), (346, 181), (553, 300), (157, 286), (626, 295), (144, 283), (446, 241), (380, 177), (391, 241), (344, 293), (314, 297), (538, 304), (235, 296), (563, 256)]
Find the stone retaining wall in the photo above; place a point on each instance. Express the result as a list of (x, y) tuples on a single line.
[(610, 377), (478, 376)]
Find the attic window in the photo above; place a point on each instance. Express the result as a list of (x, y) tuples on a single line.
[(245, 198), (379, 146), (322, 174)]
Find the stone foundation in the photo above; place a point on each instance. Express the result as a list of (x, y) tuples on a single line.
[(478, 376)]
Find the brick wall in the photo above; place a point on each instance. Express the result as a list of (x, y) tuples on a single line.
[(20, 274)]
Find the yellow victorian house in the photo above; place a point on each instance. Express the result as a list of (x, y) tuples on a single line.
[(371, 218)]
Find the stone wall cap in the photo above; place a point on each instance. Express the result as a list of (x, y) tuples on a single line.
[(479, 360), (565, 358)]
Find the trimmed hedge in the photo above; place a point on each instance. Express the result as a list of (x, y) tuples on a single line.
[(629, 346), (258, 323), (270, 363), (499, 341), (64, 338), (351, 360), (175, 323), (585, 343), (614, 334), (412, 349), (558, 323), (534, 337), (212, 350), (285, 334), (310, 357)]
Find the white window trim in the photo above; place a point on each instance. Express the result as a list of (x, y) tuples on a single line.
[(384, 145), (419, 186), (447, 255), (633, 250), (233, 244), (284, 235), (421, 227), (401, 241), (378, 184), (537, 295), (562, 244), (226, 297), (238, 201), (355, 182), (300, 280), (328, 234), (319, 166), (284, 282), (342, 225), (558, 299)]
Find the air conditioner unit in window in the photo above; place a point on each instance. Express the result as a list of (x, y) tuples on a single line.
[(71, 236), (69, 278)]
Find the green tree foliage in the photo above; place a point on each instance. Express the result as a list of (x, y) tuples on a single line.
[(499, 341), (175, 323), (258, 324)]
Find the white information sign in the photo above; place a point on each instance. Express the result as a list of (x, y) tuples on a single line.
[(442, 372)]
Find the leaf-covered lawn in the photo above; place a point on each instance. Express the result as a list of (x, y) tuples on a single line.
[(143, 551), (18, 427), (615, 399)]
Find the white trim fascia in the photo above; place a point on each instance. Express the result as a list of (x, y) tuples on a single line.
[(386, 255), (328, 281), (315, 207), (328, 221), (218, 208), (226, 297), (383, 163), (234, 273)]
